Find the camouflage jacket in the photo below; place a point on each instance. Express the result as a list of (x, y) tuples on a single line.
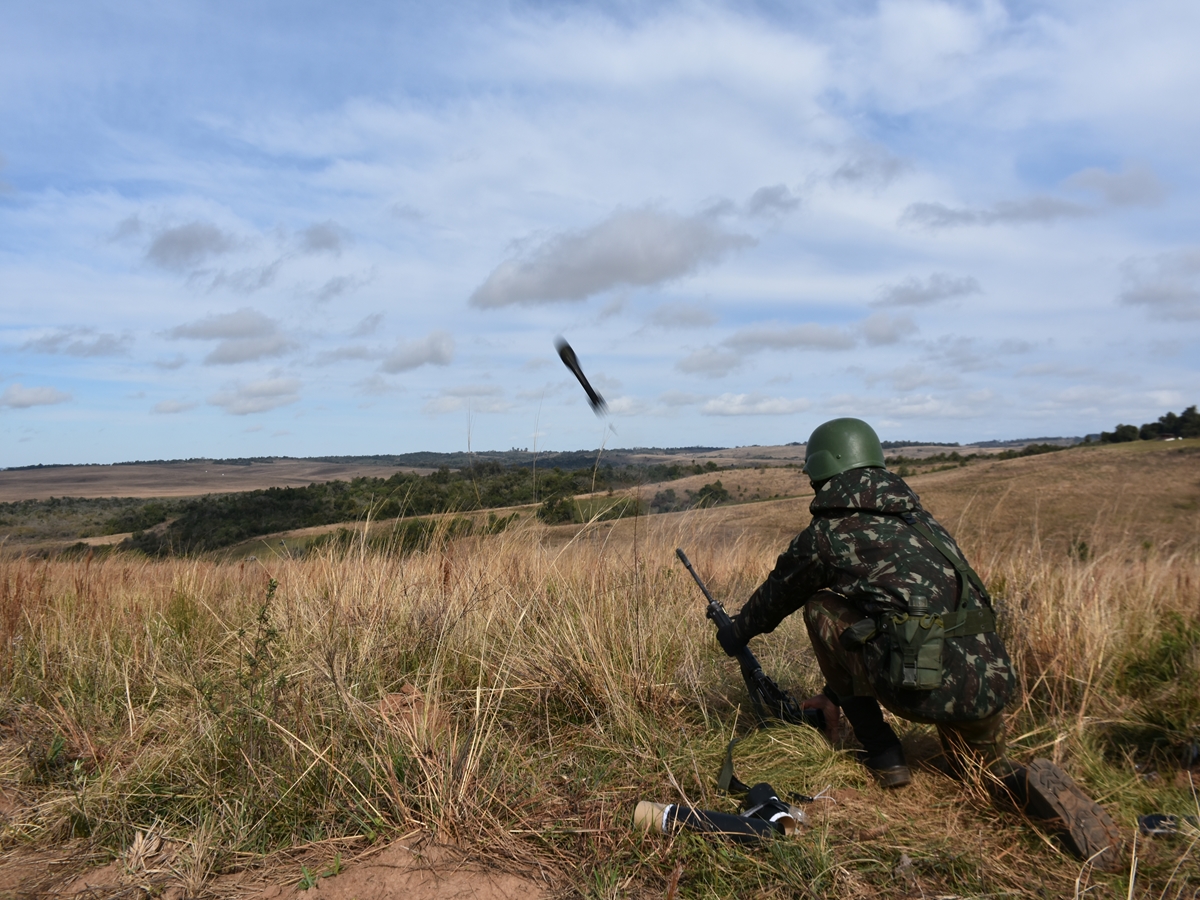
[(860, 547)]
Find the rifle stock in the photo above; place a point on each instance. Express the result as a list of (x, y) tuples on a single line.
[(768, 697)]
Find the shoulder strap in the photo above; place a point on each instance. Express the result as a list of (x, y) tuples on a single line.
[(960, 565)]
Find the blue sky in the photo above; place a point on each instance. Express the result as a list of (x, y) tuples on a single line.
[(298, 229)]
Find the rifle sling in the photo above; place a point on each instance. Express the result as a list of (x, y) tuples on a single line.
[(726, 780), (966, 573)]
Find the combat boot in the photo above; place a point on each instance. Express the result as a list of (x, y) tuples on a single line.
[(1046, 793), (882, 753)]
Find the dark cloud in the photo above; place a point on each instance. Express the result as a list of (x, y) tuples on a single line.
[(709, 362), (634, 247), (243, 323), (883, 328), (341, 354), (257, 396), (326, 237), (406, 213), (175, 362), (243, 335), (244, 281), (872, 167), (805, 337), (186, 246), (129, 227), (936, 216), (170, 407), (435, 349), (1166, 286), (1134, 185), (369, 325), (339, 285), (775, 200), (240, 350), (80, 342), (913, 291), (17, 396)]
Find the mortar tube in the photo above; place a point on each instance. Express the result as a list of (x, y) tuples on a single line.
[(669, 818)]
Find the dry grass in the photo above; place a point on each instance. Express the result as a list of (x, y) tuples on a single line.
[(559, 679)]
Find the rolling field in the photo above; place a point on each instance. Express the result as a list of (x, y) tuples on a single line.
[(177, 479), (482, 716)]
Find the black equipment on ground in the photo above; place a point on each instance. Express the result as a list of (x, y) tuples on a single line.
[(763, 815)]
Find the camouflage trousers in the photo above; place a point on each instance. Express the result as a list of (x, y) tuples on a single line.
[(966, 742)]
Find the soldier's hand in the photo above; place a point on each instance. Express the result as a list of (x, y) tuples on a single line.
[(833, 715), (730, 638)]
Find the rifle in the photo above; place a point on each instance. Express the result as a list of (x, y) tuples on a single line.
[(769, 698)]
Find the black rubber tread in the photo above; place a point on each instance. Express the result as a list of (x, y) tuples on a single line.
[(893, 777), (889, 766), (1091, 832)]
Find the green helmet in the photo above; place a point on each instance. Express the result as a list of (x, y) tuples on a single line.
[(840, 445)]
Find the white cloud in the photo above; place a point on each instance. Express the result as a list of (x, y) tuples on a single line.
[(186, 246), (913, 291), (17, 396), (912, 406), (479, 398), (1134, 185), (257, 396), (710, 362), (682, 315), (169, 407), (794, 337), (908, 378), (628, 406), (435, 349), (376, 386), (680, 398), (632, 247), (1167, 285), (936, 216), (753, 405)]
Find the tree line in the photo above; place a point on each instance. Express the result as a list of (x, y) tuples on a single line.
[(1184, 425), (221, 520)]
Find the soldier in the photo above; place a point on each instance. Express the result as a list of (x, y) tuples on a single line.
[(897, 616)]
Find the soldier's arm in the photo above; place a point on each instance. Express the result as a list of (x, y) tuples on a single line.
[(798, 574)]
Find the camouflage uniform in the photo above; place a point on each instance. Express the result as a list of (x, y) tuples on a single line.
[(860, 559)]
